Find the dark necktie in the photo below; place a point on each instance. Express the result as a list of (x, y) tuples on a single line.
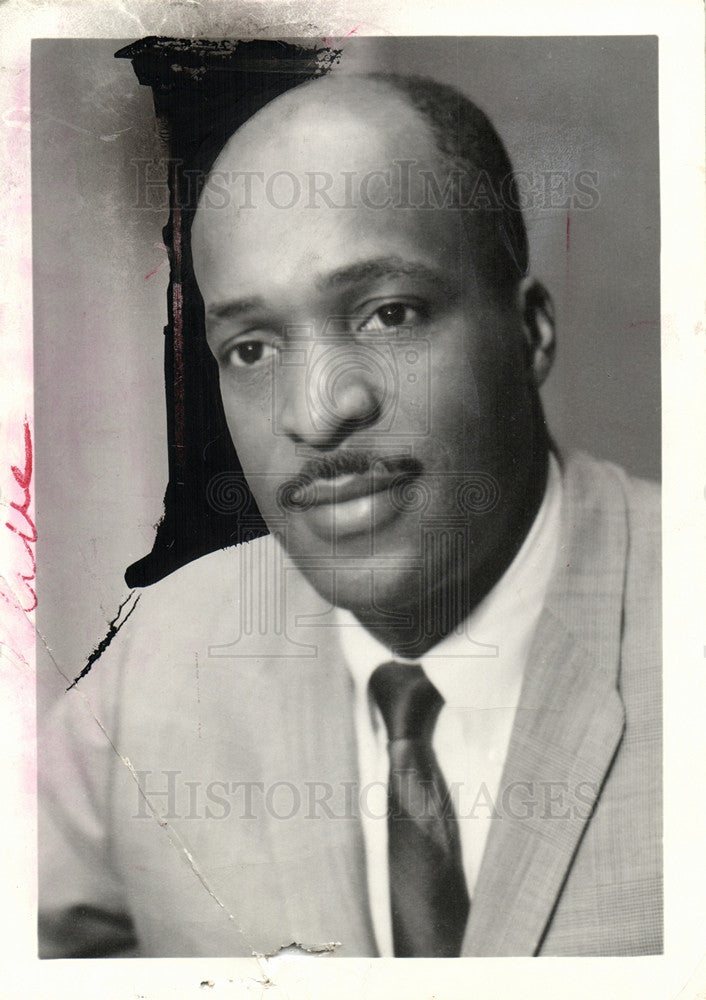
[(427, 886)]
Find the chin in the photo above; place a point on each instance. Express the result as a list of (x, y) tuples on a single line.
[(372, 593)]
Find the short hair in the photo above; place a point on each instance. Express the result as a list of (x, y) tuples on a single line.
[(471, 149)]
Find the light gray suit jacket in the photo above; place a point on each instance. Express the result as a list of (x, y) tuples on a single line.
[(200, 782)]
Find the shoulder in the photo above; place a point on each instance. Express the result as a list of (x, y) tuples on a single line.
[(631, 508), (250, 596), (611, 491), (209, 579), (206, 591), (159, 627), (608, 580), (623, 515)]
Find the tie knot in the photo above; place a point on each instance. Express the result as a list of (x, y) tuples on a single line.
[(407, 699)]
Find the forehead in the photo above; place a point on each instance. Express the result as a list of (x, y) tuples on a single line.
[(335, 122), (324, 175)]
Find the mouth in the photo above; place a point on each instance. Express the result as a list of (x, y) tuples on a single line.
[(339, 499)]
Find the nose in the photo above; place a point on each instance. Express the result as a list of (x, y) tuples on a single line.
[(337, 392)]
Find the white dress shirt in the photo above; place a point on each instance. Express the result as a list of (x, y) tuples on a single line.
[(478, 670)]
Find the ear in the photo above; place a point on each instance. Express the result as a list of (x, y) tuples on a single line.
[(537, 311)]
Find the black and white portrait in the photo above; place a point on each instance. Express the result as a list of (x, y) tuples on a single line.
[(347, 409)]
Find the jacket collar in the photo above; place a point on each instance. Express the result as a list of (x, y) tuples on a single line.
[(569, 722)]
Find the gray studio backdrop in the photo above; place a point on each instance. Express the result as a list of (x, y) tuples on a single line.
[(563, 106)]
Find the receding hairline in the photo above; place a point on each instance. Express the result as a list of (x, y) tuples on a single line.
[(461, 139), (348, 85)]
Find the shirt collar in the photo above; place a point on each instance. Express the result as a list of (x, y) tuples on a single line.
[(481, 663)]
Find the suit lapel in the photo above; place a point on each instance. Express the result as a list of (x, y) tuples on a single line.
[(319, 851), (563, 742), (568, 725)]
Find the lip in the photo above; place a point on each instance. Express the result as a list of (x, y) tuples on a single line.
[(343, 488), (354, 503), (362, 514)]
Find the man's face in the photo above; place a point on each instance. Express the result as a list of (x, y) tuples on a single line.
[(377, 395)]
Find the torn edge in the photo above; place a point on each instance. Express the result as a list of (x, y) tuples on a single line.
[(294, 947), (113, 629)]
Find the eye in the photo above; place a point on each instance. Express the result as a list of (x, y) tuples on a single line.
[(389, 316), (247, 353)]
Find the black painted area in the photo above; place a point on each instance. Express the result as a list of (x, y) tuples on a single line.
[(203, 91)]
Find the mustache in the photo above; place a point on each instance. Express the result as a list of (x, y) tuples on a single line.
[(341, 463), (358, 462)]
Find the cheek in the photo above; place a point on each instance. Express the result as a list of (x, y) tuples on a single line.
[(455, 397), (249, 418)]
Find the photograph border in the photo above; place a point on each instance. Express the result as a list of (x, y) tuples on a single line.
[(683, 966)]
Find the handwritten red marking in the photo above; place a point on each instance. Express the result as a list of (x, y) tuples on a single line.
[(159, 267), (329, 38), (154, 271), (23, 478)]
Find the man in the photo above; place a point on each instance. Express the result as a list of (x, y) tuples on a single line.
[(422, 717)]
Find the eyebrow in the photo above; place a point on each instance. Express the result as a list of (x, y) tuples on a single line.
[(372, 269), (376, 268), (234, 307)]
